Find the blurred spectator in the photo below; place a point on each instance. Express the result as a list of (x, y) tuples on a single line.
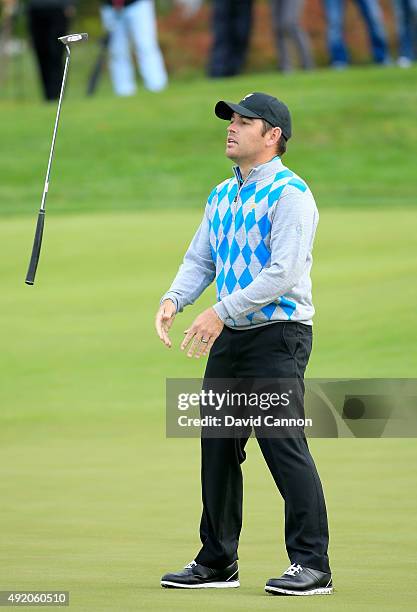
[(406, 18), (231, 24), (49, 19), (373, 17), (286, 22), (133, 21)]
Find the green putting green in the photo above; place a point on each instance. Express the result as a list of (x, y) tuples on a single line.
[(95, 499)]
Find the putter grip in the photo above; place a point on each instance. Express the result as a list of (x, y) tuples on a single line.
[(30, 277)]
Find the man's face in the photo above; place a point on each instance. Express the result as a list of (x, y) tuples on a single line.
[(244, 138)]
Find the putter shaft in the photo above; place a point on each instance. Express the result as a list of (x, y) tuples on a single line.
[(33, 264)]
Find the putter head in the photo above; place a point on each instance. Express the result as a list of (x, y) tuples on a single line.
[(72, 38)]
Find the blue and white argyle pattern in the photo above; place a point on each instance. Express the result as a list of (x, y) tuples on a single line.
[(240, 226)]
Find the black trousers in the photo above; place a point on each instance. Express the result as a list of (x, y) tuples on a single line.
[(279, 350), (231, 33), (46, 25)]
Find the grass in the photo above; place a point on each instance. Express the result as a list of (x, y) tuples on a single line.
[(98, 502), (95, 499), (354, 142)]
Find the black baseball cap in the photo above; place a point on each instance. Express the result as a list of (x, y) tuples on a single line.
[(258, 106)]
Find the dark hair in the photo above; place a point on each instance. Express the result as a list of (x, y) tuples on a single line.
[(282, 142)]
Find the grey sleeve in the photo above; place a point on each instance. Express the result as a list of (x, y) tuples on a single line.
[(197, 270), (292, 233)]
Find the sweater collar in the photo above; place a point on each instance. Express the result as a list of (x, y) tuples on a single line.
[(258, 173)]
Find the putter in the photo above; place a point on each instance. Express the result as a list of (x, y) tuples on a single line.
[(30, 277)]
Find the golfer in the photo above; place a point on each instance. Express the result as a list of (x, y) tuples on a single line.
[(256, 241)]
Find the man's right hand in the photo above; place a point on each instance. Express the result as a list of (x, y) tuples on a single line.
[(164, 319)]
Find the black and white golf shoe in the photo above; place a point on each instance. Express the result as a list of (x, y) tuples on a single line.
[(196, 576), (299, 580)]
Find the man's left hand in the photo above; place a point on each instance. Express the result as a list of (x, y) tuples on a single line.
[(202, 334)]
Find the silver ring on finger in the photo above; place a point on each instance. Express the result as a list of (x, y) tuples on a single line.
[(204, 340)]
